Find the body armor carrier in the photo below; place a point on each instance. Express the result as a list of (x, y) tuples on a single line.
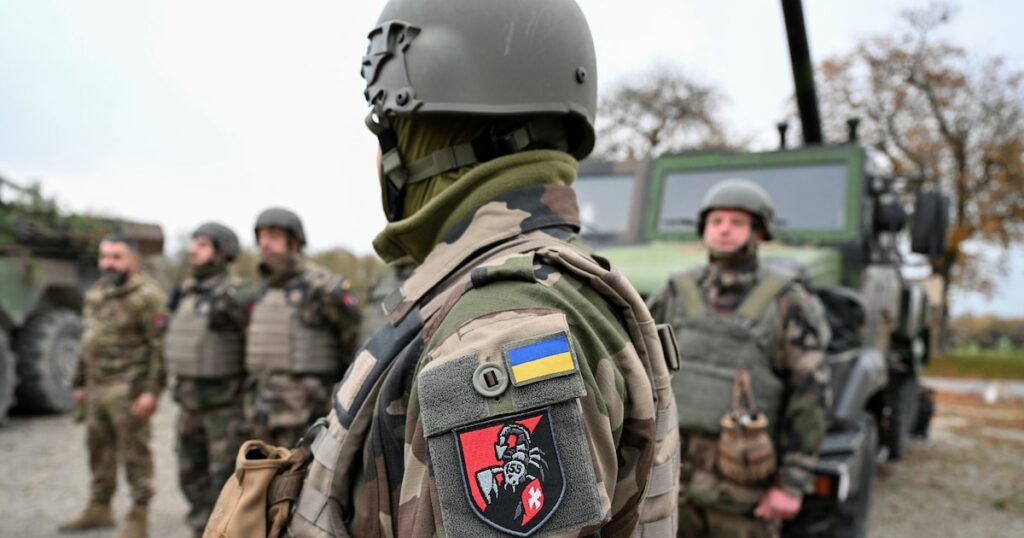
[(713, 346), (278, 341), (192, 348)]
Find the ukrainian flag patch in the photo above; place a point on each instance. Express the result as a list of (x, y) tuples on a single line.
[(540, 359)]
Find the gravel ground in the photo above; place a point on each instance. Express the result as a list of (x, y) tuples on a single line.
[(967, 480)]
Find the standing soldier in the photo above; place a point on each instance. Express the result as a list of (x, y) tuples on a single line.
[(120, 375), (745, 331), (519, 386), (302, 334), (205, 352)]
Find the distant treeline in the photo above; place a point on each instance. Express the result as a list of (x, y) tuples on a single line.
[(986, 332)]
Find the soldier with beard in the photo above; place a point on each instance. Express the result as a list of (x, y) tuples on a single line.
[(119, 377), (205, 352), (740, 323), (302, 335)]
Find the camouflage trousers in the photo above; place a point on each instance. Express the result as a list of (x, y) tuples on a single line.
[(208, 443), (712, 506), (114, 434), (280, 407)]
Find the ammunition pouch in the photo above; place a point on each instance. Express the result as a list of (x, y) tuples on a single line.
[(745, 453), (257, 499)]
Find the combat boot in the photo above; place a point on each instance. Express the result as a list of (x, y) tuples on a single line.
[(135, 524), (95, 516)]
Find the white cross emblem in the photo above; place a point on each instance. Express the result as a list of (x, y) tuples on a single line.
[(535, 496)]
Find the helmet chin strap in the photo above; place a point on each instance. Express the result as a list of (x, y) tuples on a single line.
[(747, 252), (540, 132)]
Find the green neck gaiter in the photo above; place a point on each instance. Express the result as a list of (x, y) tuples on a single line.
[(738, 258), (209, 270), (444, 208)]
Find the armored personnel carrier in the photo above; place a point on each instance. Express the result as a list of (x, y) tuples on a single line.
[(47, 261)]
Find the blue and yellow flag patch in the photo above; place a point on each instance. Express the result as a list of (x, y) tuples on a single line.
[(541, 359)]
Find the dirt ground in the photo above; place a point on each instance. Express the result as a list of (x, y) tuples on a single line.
[(967, 480)]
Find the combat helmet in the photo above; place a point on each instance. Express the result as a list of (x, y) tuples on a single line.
[(744, 195), (279, 217), (224, 240), (526, 59)]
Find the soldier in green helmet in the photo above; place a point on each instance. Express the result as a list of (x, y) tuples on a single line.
[(519, 386), (753, 385), (204, 349), (119, 378), (302, 334)]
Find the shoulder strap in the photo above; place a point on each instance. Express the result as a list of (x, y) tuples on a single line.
[(689, 294), (770, 284)]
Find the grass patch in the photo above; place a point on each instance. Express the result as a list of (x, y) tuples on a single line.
[(981, 365)]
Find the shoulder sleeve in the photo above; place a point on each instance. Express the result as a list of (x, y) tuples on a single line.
[(504, 407), (153, 316)]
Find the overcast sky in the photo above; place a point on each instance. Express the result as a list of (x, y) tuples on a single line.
[(181, 111)]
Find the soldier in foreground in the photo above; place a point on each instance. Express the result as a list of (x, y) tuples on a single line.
[(301, 337), (745, 331), (205, 352), (119, 377), (519, 386)]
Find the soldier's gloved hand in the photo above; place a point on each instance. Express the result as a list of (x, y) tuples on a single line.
[(777, 504), (144, 405)]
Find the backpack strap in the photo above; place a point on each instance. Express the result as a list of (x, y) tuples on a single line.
[(688, 293), (771, 282)]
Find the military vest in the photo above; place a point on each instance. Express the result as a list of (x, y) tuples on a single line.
[(278, 340), (192, 349), (338, 448), (713, 346)]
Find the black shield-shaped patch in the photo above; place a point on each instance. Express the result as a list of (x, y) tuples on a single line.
[(511, 471)]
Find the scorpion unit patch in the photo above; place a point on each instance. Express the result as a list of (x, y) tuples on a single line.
[(511, 470)]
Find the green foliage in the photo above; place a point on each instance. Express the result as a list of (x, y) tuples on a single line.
[(986, 365)]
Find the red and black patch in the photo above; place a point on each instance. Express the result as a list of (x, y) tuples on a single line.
[(511, 471)]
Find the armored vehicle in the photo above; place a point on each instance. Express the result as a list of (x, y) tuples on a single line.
[(846, 229), (47, 261)]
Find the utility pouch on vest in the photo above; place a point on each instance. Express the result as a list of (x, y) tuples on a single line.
[(745, 451), (257, 499)]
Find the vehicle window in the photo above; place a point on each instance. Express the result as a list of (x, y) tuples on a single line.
[(605, 202), (806, 197)]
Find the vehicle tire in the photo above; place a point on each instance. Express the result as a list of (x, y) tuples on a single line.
[(903, 401), (8, 376), (47, 357), (852, 517)]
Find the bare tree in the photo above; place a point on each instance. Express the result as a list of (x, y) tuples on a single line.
[(659, 111), (931, 109)]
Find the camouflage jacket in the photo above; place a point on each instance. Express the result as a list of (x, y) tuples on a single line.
[(229, 311), (799, 361), (123, 335), (504, 394)]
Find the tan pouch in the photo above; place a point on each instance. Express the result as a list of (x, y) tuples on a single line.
[(249, 504), (745, 453)]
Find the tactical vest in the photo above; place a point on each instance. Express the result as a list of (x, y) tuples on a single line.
[(192, 349), (278, 341), (713, 346), (338, 448)]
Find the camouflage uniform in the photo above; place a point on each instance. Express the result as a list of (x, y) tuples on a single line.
[(798, 360), (121, 358), (374, 314), (290, 378), (211, 423), (449, 421)]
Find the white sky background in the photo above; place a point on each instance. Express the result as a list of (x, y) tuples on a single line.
[(179, 111)]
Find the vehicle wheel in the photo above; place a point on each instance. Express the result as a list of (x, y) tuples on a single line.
[(903, 400), (47, 357), (853, 514), (8, 376)]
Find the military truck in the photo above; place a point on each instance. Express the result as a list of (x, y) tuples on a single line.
[(47, 260), (845, 228)]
